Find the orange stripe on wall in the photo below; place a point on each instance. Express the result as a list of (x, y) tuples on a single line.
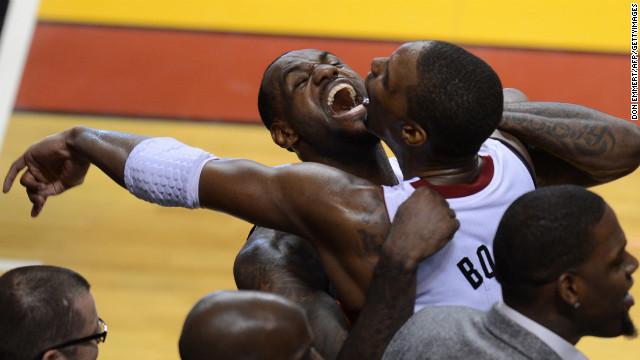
[(215, 76), (600, 81)]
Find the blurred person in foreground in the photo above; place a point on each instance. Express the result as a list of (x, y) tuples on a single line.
[(46, 313)]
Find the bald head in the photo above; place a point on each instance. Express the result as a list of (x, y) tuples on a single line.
[(245, 325)]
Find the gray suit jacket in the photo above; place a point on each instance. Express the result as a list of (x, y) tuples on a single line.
[(456, 332)]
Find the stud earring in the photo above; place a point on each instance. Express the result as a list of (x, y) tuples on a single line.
[(576, 305)]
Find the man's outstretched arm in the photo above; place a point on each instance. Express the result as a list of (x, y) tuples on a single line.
[(571, 143), (242, 188)]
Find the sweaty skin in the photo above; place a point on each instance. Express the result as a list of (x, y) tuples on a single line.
[(284, 263)]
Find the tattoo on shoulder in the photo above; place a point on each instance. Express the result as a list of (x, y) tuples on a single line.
[(374, 228)]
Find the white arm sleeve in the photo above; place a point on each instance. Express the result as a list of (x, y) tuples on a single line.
[(165, 171)]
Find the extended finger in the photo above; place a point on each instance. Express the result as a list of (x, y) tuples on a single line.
[(15, 168), (38, 200), (35, 210)]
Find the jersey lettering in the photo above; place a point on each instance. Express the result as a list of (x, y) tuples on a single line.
[(472, 275), (484, 255)]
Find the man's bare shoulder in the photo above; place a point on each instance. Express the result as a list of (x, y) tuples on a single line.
[(321, 171), (321, 184)]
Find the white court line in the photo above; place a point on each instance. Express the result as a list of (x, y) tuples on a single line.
[(15, 40), (8, 264)]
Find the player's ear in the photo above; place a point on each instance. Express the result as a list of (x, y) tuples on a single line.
[(413, 134), (568, 286), (283, 135)]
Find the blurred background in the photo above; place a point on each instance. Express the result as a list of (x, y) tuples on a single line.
[(191, 70)]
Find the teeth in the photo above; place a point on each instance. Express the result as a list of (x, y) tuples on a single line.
[(348, 113), (335, 90), (355, 109)]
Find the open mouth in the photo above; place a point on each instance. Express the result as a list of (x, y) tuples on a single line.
[(343, 102)]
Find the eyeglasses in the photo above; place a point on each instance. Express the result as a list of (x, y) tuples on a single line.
[(99, 337)]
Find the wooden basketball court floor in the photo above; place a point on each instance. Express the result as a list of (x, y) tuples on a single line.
[(147, 264)]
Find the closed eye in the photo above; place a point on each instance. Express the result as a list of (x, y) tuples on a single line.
[(302, 81)]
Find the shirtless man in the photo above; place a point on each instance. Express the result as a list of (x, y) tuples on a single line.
[(283, 263)]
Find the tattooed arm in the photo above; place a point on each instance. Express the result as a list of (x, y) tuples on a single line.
[(573, 144), (287, 265)]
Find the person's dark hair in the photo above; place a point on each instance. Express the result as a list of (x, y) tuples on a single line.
[(543, 234), (458, 99), (268, 98), (37, 310)]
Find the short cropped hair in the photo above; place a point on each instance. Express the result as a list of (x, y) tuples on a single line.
[(543, 234), (37, 309), (458, 99), (268, 98)]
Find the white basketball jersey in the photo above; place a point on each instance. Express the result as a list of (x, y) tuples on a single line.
[(462, 273)]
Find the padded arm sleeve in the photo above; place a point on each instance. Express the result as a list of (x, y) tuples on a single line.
[(165, 171)]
